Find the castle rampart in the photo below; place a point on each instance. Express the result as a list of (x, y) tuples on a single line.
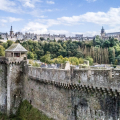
[(96, 78), (75, 94), (74, 91)]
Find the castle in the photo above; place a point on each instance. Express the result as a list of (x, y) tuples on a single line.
[(75, 94)]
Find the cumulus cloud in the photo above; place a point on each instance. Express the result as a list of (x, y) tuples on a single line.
[(9, 19), (35, 28), (12, 19), (7, 5), (110, 18), (41, 28), (50, 2), (29, 3)]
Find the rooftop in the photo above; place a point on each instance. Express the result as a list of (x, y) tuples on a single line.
[(113, 33), (16, 47)]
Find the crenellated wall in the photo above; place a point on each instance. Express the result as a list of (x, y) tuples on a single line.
[(75, 94), (100, 78)]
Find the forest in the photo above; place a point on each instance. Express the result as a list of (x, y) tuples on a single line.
[(96, 51)]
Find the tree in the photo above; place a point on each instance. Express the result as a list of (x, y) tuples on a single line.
[(9, 42), (5, 45), (90, 60), (2, 50), (81, 60), (111, 55), (0, 37), (42, 38), (74, 60), (46, 58), (79, 54), (30, 55), (106, 43)]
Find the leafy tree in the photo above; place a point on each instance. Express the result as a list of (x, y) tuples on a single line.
[(2, 50), (111, 55), (74, 60), (42, 38), (107, 43), (5, 45), (90, 60), (79, 54), (46, 58), (81, 60), (0, 37), (9, 42), (30, 55), (36, 64)]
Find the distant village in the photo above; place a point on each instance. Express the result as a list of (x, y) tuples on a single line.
[(37, 37)]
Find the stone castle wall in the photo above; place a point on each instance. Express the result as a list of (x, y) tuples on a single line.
[(11, 86), (14, 87), (76, 94), (96, 78), (3, 88)]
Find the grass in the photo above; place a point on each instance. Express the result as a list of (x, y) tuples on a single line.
[(26, 112)]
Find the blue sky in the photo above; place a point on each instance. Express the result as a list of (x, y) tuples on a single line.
[(60, 16)]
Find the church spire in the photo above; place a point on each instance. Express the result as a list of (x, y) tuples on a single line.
[(11, 28), (11, 32), (102, 32)]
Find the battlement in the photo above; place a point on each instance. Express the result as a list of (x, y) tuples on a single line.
[(11, 60), (100, 78)]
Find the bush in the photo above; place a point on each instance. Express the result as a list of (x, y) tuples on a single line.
[(35, 64), (81, 60), (90, 60)]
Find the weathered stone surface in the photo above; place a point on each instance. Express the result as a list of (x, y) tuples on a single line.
[(83, 94), (3, 88)]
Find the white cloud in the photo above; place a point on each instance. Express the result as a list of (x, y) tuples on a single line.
[(111, 18), (41, 28), (9, 19), (50, 2), (29, 3), (91, 0), (35, 28), (12, 19), (3, 21), (7, 5)]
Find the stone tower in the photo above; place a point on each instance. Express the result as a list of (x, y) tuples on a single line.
[(11, 78), (11, 32), (102, 32)]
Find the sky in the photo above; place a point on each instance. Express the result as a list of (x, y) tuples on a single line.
[(68, 17)]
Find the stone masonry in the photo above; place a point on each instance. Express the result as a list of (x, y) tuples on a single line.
[(75, 94)]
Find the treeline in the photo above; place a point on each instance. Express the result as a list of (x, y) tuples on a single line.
[(102, 51)]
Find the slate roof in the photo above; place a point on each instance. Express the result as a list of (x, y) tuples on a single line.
[(113, 33), (16, 47)]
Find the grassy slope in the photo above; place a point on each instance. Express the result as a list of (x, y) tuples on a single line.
[(26, 112)]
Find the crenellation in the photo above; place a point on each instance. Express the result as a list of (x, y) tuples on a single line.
[(74, 94)]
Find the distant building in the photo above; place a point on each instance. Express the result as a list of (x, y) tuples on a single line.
[(106, 36), (36, 37), (79, 35), (11, 32)]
